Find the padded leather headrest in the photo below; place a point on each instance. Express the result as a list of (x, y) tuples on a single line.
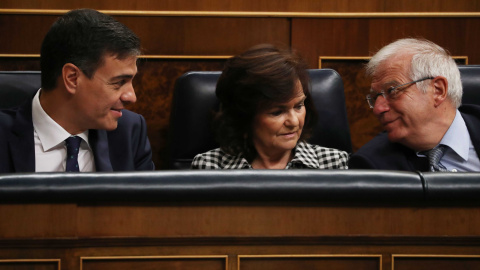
[(194, 102), (17, 86)]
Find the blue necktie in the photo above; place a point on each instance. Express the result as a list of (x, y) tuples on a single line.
[(434, 155), (73, 145)]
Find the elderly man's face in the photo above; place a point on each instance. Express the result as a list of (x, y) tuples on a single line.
[(406, 116)]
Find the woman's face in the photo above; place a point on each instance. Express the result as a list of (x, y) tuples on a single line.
[(277, 128)]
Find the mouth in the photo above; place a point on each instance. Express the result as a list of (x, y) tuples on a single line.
[(386, 124), (289, 134), (116, 112)]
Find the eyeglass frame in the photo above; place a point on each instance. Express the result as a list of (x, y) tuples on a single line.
[(371, 100)]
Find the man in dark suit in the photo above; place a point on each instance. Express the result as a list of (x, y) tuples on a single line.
[(416, 95), (77, 120)]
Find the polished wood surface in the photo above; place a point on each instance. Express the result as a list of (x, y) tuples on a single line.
[(254, 5), (238, 236)]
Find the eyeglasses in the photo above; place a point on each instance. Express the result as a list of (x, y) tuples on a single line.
[(391, 92)]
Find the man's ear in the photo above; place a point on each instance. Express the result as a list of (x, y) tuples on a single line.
[(440, 93), (70, 74)]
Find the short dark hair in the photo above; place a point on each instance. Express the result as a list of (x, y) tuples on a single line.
[(83, 37), (262, 75)]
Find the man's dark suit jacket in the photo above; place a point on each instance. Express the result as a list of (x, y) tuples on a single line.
[(381, 154), (124, 149)]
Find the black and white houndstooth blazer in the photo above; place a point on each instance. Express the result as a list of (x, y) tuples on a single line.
[(307, 156)]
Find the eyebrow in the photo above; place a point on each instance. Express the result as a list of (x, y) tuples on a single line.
[(386, 85), (281, 106), (123, 76)]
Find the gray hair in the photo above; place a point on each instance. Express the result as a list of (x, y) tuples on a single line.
[(429, 60)]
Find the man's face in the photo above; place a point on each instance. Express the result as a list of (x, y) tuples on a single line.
[(100, 100), (406, 116)]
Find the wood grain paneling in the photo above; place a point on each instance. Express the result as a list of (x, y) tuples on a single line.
[(254, 5), (431, 6), (337, 262), (363, 37), (35, 221), (274, 221), (206, 36), (363, 123), (131, 235), (154, 86), (30, 264), (450, 33), (427, 262), (328, 37), (155, 262), (23, 33), (160, 35)]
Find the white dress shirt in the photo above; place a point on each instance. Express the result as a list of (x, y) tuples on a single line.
[(460, 155), (50, 149)]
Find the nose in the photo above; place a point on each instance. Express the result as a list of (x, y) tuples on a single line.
[(381, 106), (292, 119), (129, 95)]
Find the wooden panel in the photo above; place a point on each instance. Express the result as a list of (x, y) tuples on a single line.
[(36, 221), (154, 88), (19, 63), (450, 33), (437, 262), (327, 37), (160, 35), (23, 33), (29, 264), (337, 262), (431, 6), (274, 221), (155, 262), (354, 37), (178, 236), (362, 122), (253, 5), (206, 36)]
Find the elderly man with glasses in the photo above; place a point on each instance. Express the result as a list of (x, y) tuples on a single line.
[(416, 95)]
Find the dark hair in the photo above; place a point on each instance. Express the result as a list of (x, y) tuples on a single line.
[(83, 37), (259, 77)]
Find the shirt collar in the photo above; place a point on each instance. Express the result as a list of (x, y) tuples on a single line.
[(457, 137), (49, 132), (235, 162), (305, 156)]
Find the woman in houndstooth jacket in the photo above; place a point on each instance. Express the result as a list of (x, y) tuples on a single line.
[(266, 113)]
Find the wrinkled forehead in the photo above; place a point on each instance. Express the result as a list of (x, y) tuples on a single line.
[(394, 67)]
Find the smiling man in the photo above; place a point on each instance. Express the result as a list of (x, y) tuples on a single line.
[(416, 94), (77, 121)]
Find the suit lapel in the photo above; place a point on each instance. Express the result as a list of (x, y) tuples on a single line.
[(98, 140), (416, 163), (419, 163), (472, 126), (21, 141)]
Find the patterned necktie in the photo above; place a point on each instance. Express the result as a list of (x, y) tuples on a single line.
[(434, 155), (73, 145)]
